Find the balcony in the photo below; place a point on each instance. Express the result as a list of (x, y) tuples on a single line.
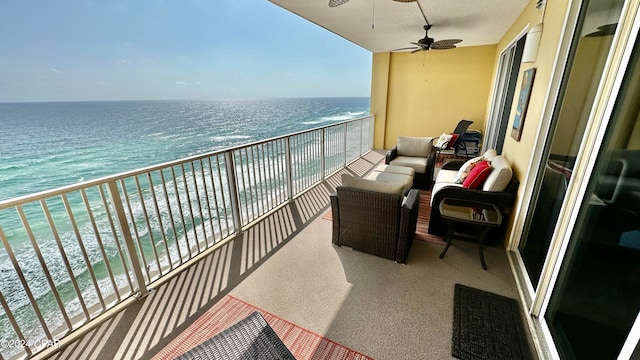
[(257, 234)]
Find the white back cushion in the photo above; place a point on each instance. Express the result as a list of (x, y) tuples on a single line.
[(490, 154), (372, 185), (414, 146), (500, 177)]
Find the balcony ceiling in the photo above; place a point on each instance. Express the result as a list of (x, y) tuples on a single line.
[(395, 23)]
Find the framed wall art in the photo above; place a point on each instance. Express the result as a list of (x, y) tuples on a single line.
[(523, 103)]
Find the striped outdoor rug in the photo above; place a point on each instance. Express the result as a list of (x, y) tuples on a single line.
[(424, 214), (422, 227), (302, 343)]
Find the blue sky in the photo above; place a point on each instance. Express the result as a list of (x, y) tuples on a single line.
[(198, 49)]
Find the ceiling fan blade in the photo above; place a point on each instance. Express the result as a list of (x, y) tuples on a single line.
[(442, 46), (405, 0), (407, 48), (419, 49), (334, 3), (447, 42)]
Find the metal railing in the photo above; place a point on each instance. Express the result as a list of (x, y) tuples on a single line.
[(70, 254)]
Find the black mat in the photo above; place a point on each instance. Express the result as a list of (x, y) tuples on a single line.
[(487, 326)]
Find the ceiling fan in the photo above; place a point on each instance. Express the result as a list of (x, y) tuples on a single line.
[(429, 43), (334, 3)]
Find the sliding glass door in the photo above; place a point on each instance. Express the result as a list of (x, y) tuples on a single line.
[(506, 79), (596, 298), (589, 50), (578, 257)]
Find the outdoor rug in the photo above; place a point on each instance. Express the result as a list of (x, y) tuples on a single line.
[(424, 214), (302, 343), (422, 227), (487, 326)]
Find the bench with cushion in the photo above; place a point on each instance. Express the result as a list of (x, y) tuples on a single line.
[(495, 185)]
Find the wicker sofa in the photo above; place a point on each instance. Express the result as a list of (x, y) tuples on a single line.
[(499, 189), (373, 217), (417, 153)]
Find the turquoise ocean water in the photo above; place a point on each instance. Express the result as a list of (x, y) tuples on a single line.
[(48, 145)]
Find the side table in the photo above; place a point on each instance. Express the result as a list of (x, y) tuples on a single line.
[(483, 215)]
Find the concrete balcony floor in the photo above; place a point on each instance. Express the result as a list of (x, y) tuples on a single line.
[(287, 265)]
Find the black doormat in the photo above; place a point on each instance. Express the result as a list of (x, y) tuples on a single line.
[(487, 326)]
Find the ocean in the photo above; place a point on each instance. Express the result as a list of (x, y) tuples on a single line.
[(48, 145)]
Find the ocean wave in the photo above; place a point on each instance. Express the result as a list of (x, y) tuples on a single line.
[(230, 137), (342, 117)]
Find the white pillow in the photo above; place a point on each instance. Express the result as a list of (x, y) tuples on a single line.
[(372, 185), (443, 140), (414, 146), (466, 168)]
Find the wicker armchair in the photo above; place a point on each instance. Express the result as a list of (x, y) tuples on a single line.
[(417, 153), (374, 222)]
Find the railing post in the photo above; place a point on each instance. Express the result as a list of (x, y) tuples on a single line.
[(344, 149), (372, 123), (233, 190), (361, 136), (123, 224), (322, 144), (287, 150)]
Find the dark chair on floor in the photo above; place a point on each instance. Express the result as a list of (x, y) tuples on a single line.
[(371, 217)]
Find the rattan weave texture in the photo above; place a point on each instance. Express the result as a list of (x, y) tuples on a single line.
[(251, 338)]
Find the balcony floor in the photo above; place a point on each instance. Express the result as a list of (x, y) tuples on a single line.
[(287, 265)]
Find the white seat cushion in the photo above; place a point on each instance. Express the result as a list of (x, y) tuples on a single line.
[(386, 177), (438, 186), (446, 176), (419, 164), (395, 169)]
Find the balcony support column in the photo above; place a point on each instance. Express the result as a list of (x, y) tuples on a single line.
[(322, 144), (344, 144), (123, 224), (289, 169), (232, 180)]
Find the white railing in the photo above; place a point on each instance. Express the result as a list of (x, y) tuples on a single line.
[(70, 254)]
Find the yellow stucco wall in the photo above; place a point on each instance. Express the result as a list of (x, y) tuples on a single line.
[(427, 93), (519, 152), (379, 91)]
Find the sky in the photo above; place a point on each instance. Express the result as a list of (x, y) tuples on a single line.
[(78, 50)]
